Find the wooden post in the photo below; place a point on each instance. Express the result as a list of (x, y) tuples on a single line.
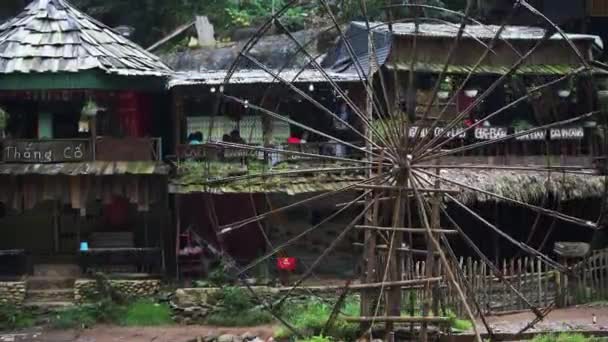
[(146, 241), (368, 298), (93, 129), (56, 227), (178, 229), (178, 113)]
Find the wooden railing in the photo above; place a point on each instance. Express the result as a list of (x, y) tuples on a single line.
[(50, 151), (541, 285)]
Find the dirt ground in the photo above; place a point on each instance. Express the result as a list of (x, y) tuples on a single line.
[(122, 334), (570, 319)]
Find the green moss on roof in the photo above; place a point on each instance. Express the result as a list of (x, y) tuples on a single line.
[(232, 177)]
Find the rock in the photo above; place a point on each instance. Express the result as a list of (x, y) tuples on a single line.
[(210, 338), (227, 338), (248, 336)]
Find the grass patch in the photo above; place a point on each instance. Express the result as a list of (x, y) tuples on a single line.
[(12, 318), (247, 318), (316, 339), (142, 312), (147, 313), (310, 319), (565, 337)]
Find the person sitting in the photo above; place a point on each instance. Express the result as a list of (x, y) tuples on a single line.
[(235, 137), (195, 138)]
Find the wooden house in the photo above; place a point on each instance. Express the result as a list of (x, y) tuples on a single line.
[(82, 132), (212, 186), (481, 63)]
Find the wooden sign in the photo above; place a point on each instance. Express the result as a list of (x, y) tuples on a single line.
[(41, 151), (490, 133), (567, 133)]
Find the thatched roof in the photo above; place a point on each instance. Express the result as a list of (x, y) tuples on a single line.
[(195, 177), (51, 36), (525, 186), (529, 187)]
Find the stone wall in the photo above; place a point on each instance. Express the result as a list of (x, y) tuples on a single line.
[(12, 293), (86, 289)]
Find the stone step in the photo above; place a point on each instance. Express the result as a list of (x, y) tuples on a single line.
[(50, 295), (49, 283), (57, 270), (55, 305)]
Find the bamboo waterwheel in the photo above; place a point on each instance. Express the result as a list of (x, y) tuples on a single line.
[(406, 128)]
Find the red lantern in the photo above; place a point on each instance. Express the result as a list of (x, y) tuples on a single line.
[(286, 264)]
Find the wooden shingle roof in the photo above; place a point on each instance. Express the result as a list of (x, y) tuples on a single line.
[(51, 36)]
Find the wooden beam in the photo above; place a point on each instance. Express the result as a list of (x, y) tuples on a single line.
[(399, 249), (172, 35), (400, 319), (407, 189), (355, 287), (407, 230)]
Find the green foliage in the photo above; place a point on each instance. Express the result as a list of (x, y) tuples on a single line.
[(310, 319), (317, 339), (255, 12), (145, 312), (12, 317), (565, 337), (237, 309), (218, 276)]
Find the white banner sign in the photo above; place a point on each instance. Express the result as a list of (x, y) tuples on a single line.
[(490, 133), (534, 136), (567, 133)]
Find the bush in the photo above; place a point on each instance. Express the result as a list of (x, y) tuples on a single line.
[(147, 313), (237, 309), (75, 318), (12, 317)]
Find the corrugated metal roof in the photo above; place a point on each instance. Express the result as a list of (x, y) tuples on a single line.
[(96, 168), (473, 31), (52, 36), (250, 76)]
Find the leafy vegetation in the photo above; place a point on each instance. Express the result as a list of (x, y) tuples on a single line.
[(12, 317), (565, 338), (237, 309)]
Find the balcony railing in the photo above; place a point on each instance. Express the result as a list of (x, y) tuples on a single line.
[(48, 151), (568, 146)]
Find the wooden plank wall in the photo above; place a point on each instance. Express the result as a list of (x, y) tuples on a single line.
[(597, 8)]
